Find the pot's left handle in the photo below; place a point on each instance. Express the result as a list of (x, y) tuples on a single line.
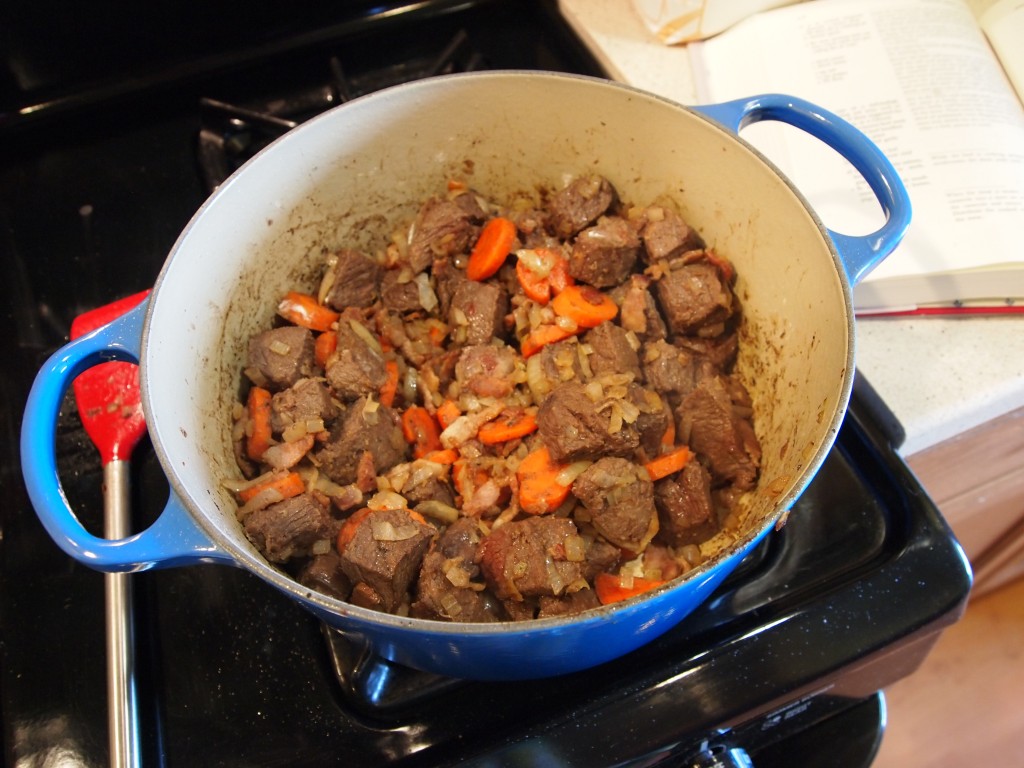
[(860, 254), (173, 539)]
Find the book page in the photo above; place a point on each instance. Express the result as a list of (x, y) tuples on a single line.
[(1003, 24), (918, 78), (682, 21)]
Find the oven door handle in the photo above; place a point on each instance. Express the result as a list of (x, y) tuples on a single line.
[(173, 539), (859, 254)]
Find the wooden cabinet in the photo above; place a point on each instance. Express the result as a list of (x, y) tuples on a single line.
[(977, 481)]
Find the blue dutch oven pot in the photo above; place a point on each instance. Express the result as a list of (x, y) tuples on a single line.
[(352, 176)]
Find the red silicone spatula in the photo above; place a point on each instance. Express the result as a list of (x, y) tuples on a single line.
[(110, 405)]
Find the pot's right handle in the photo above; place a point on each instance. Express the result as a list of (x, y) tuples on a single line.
[(173, 539), (860, 254)]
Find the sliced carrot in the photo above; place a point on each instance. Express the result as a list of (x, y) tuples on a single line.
[(540, 288), (508, 426), (443, 456), (539, 489), (259, 421), (390, 387), (448, 412), (324, 346), (668, 463), (610, 588), (348, 528), (491, 249), (421, 431), (303, 309), (287, 485), (668, 437), (542, 335), (584, 304)]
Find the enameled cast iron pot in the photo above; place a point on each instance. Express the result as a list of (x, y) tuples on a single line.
[(351, 176)]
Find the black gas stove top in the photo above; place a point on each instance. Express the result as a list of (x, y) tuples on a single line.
[(102, 166)]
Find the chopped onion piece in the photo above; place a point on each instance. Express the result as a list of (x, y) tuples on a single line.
[(566, 323), (438, 510), (264, 498), (383, 530), (278, 347), (575, 549), (554, 577), (239, 485), (450, 605), (362, 332), (294, 432), (425, 294), (387, 500), (321, 547), (567, 476), (535, 262), (327, 283)]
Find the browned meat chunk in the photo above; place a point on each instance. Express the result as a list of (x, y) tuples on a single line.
[(399, 292), (567, 605), (579, 204), (323, 573), (573, 428), (280, 357), (384, 555), (423, 486), (448, 587), (355, 369), (360, 431), (693, 296), (477, 312), (669, 369), (653, 418), (611, 351), (289, 528), (560, 361), (354, 280), (685, 509), (443, 229), (438, 371), (486, 370), (720, 351), (619, 496), (665, 235), (603, 255), (600, 556), (447, 279), (306, 400), (638, 311), (527, 558), (724, 440)]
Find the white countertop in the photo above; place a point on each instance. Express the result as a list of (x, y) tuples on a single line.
[(940, 376)]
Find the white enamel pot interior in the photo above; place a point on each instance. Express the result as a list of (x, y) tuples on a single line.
[(352, 176)]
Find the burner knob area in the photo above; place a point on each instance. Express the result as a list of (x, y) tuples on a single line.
[(720, 756)]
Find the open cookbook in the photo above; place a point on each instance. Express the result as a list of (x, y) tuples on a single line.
[(937, 85)]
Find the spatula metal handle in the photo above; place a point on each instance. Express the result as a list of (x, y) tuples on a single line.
[(122, 704)]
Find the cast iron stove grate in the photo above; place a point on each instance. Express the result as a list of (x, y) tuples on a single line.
[(232, 133)]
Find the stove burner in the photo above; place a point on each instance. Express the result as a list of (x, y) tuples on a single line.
[(231, 134)]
